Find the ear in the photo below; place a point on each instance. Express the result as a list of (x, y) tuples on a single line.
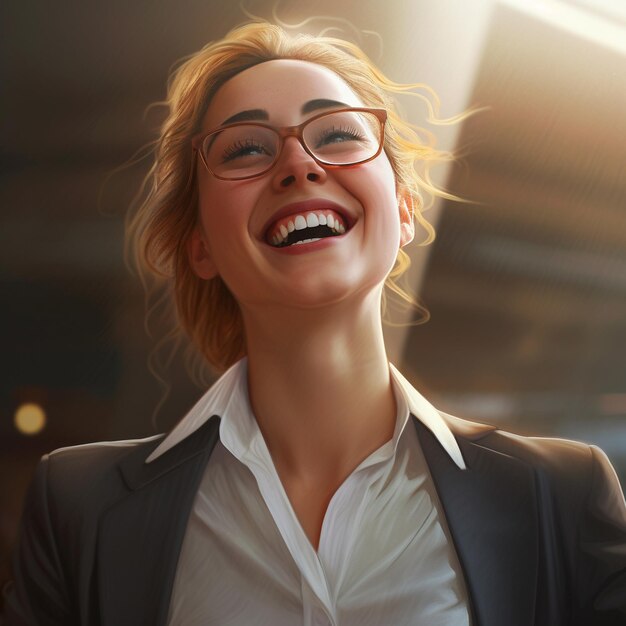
[(407, 225), (199, 255)]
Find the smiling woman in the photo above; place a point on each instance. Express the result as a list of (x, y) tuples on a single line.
[(312, 483), (163, 223)]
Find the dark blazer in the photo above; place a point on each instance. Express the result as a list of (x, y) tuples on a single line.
[(539, 526)]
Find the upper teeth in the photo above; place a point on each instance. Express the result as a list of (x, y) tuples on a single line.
[(300, 222)]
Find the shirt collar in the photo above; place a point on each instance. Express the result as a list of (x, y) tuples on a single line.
[(228, 397), (426, 413)]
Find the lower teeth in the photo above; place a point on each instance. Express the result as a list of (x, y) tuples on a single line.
[(306, 241)]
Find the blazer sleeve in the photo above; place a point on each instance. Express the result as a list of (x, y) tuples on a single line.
[(601, 574), (38, 594)]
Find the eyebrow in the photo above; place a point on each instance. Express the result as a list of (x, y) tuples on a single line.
[(262, 114), (321, 103)]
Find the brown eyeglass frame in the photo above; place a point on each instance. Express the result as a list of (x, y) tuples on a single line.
[(292, 131)]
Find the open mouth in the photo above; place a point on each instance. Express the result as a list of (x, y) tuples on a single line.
[(312, 225)]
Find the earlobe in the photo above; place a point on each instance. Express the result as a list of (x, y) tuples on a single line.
[(200, 257), (407, 224)]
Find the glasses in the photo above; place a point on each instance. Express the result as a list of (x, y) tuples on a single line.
[(339, 138)]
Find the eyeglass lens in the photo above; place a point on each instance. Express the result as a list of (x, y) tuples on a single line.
[(342, 138)]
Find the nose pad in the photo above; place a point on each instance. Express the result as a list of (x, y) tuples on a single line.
[(295, 165)]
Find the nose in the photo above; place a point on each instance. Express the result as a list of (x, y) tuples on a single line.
[(296, 166)]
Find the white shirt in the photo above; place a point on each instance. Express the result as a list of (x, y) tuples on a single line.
[(385, 556)]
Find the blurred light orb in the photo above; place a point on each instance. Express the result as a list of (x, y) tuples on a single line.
[(30, 418)]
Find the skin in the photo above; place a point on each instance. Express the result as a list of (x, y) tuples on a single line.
[(318, 374)]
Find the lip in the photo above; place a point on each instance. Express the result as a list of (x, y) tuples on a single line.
[(320, 244), (311, 204)]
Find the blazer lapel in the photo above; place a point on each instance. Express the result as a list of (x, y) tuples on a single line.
[(140, 536), (491, 512)]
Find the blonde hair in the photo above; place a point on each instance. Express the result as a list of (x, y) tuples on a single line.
[(160, 225)]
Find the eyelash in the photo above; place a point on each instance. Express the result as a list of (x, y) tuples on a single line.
[(353, 133), (232, 151)]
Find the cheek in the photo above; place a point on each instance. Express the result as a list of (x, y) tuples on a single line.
[(211, 201), (228, 200), (377, 194), (216, 222), (224, 212), (374, 185), (220, 212)]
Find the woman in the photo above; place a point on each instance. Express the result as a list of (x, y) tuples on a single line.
[(311, 484)]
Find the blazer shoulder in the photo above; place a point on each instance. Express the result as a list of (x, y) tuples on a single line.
[(101, 453), (572, 471), (543, 451), (573, 467), (74, 472), (581, 496), (94, 475), (565, 463), (552, 454)]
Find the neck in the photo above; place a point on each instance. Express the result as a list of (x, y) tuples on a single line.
[(320, 389)]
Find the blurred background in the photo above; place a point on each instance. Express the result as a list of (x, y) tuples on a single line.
[(526, 286)]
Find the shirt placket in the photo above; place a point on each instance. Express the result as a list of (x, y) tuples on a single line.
[(291, 531), (313, 612)]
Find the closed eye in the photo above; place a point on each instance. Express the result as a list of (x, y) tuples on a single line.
[(240, 149), (338, 135)]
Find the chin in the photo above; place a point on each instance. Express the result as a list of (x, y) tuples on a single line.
[(341, 296)]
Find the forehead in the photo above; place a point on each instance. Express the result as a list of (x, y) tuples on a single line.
[(281, 87)]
